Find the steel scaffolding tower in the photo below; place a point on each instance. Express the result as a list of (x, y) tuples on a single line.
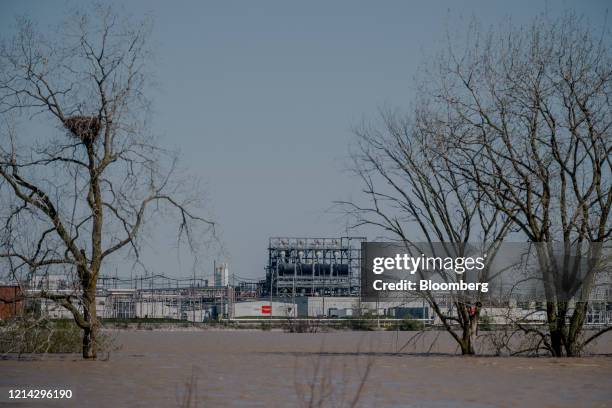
[(313, 266)]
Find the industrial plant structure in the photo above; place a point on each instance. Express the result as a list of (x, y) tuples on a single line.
[(313, 267), (145, 297), (305, 278)]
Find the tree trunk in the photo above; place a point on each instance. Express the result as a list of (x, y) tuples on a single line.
[(468, 337), (89, 343), (467, 347), (90, 349), (555, 328), (573, 345), (556, 341)]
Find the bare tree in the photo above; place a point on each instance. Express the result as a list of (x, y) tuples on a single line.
[(410, 186), (77, 190), (527, 115)]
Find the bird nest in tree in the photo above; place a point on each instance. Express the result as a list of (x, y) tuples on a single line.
[(85, 128)]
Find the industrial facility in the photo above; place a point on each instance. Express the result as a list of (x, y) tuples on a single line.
[(313, 267), (147, 297), (308, 278)]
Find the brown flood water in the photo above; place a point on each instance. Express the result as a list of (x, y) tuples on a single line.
[(270, 369)]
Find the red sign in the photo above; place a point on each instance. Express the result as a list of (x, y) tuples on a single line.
[(266, 309)]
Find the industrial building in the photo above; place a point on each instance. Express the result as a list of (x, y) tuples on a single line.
[(310, 278), (11, 303), (221, 276), (154, 297), (313, 267)]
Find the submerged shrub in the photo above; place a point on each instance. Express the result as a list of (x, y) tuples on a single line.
[(30, 334)]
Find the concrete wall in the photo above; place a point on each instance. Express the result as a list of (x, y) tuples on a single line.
[(156, 310), (53, 310), (256, 308), (507, 316), (318, 306)]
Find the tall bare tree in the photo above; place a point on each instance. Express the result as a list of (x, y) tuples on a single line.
[(415, 196), (528, 114), (78, 188)]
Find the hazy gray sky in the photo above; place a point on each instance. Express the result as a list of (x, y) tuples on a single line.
[(260, 97)]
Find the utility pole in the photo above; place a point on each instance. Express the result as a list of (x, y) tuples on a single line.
[(293, 291), (271, 289)]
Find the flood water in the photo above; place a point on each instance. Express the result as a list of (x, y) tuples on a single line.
[(275, 369)]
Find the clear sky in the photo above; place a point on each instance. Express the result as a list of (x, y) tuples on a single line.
[(260, 97)]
